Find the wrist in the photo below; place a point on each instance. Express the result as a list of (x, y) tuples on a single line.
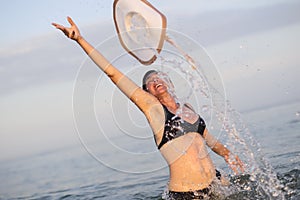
[(79, 39)]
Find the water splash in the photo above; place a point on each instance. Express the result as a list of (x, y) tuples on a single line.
[(260, 174), (259, 180)]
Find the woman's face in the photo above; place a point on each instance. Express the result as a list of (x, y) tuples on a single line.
[(155, 85)]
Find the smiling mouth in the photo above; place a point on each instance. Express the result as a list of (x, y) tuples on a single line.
[(158, 85)]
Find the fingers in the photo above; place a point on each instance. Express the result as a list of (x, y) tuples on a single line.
[(240, 163), (71, 21), (58, 26), (71, 32), (233, 168), (242, 167), (236, 164), (61, 27)]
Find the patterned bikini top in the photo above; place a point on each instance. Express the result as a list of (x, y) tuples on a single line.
[(176, 127)]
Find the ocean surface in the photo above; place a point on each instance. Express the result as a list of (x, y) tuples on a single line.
[(72, 173)]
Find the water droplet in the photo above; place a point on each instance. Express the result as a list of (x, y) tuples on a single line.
[(275, 194), (187, 115), (205, 108), (247, 188)]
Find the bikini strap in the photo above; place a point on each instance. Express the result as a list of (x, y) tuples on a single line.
[(189, 106)]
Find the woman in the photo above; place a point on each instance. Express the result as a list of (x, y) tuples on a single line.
[(180, 136)]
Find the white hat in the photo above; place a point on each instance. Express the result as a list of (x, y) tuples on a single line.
[(141, 28)]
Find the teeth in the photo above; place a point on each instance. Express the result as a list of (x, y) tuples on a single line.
[(158, 85)]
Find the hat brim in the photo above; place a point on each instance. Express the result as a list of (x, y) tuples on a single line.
[(141, 28)]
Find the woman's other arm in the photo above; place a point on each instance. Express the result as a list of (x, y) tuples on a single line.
[(233, 160)]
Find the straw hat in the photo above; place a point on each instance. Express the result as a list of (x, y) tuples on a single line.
[(141, 28)]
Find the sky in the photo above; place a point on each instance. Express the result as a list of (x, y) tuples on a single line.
[(254, 45)]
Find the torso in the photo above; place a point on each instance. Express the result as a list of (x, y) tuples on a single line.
[(191, 167)]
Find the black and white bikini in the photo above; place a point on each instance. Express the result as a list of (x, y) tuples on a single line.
[(176, 127)]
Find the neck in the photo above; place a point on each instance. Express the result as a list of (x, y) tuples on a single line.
[(168, 101)]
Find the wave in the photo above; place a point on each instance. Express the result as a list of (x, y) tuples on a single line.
[(249, 189)]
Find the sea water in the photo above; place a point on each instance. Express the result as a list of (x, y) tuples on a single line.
[(71, 173), (266, 140)]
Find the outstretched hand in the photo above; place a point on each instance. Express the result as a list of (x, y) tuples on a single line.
[(72, 32), (235, 163)]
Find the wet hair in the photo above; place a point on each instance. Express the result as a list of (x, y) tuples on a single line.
[(146, 76)]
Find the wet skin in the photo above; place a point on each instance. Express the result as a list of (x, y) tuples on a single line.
[(190, 165)]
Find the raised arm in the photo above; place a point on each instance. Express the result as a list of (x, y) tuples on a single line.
[(233, 160), (126, 85)]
